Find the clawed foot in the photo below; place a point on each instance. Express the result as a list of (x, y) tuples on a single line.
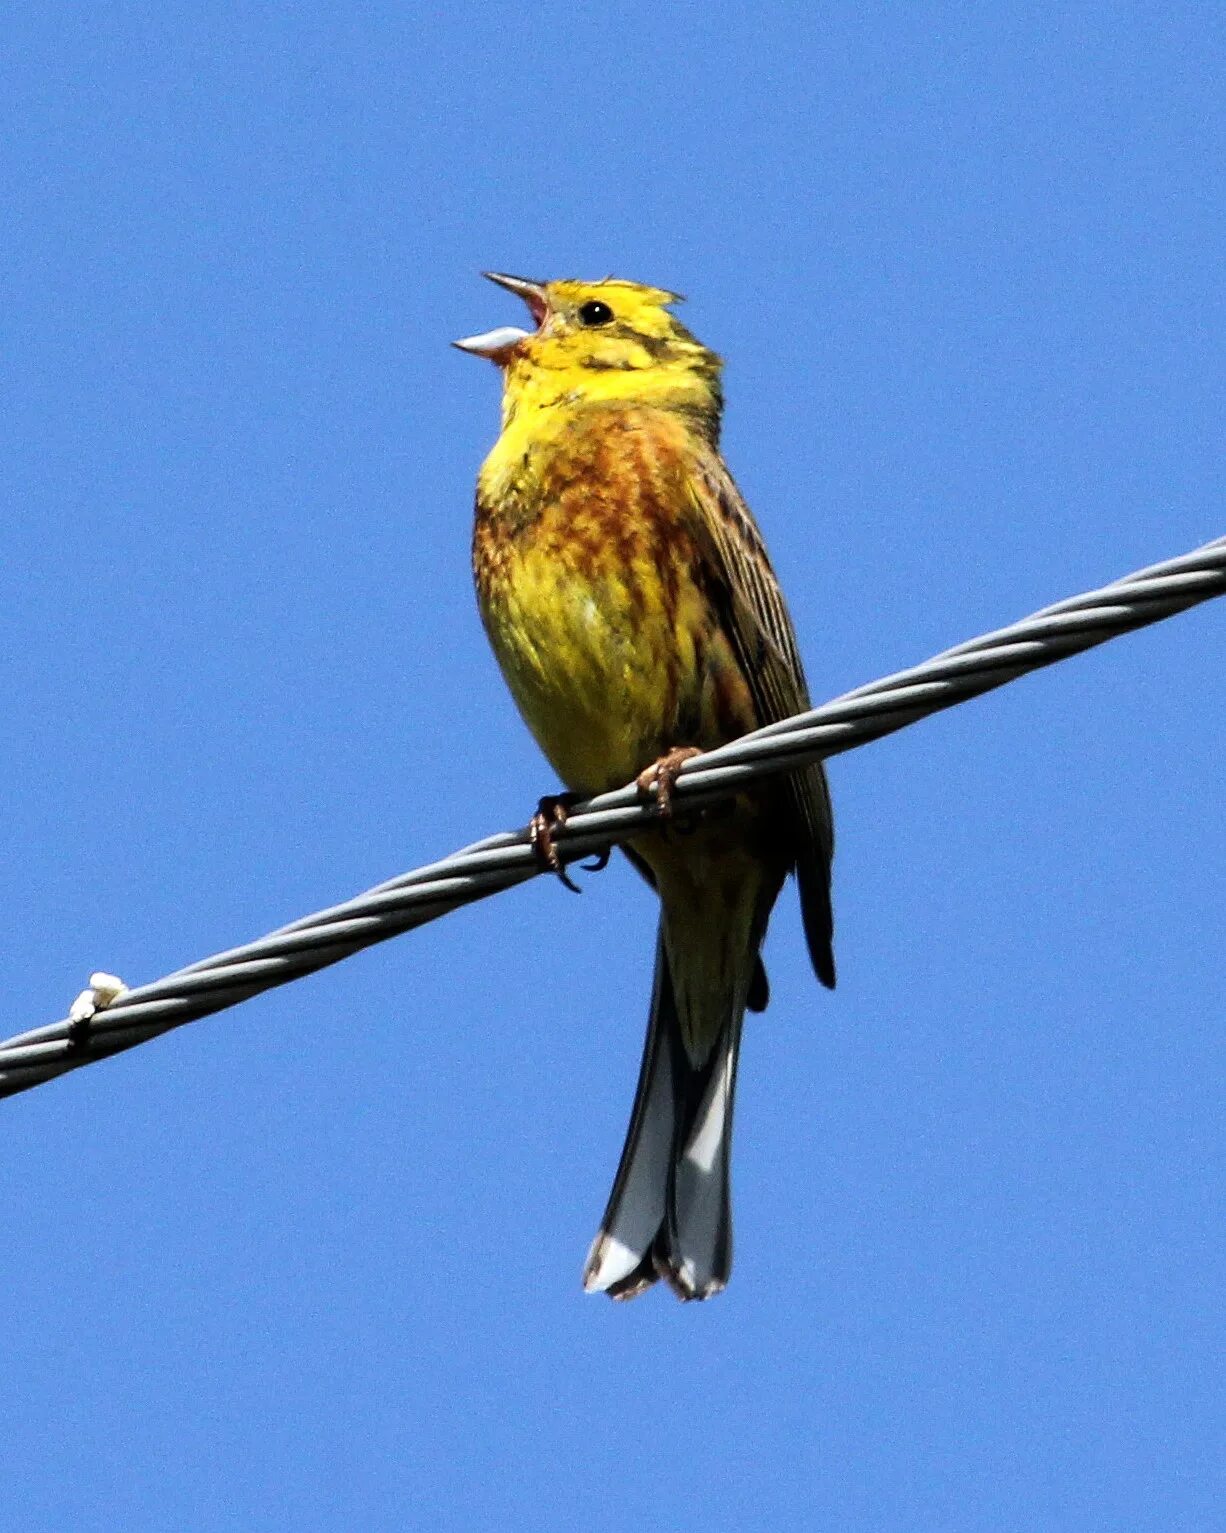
[(661, 776), (551, 812)]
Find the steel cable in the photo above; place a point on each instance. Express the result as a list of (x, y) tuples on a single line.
[(412, 899)]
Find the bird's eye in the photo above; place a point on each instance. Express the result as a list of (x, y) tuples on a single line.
[(595, 313)]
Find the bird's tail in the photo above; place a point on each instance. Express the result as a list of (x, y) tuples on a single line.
[(670, 1211)]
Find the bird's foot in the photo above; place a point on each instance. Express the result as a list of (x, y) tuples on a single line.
[(661, 776), (552, 812)]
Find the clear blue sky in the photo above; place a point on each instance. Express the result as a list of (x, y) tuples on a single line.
[(314, 1263)]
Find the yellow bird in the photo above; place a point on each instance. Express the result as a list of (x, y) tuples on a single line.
[(627, 595)]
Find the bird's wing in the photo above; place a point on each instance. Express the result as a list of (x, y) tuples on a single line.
[(762, 636)]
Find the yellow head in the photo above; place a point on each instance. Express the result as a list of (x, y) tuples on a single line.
[(596, 341)]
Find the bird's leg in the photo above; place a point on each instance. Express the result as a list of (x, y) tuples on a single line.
[(661, 776), (550, 813)]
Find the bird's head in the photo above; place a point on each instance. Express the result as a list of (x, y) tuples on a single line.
[(597, 341)]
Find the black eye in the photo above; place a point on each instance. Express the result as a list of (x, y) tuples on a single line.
[(595, 313)]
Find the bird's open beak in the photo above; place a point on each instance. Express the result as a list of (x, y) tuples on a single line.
[(498, 344)]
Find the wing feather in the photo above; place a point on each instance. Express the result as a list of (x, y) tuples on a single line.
[(762, 636)]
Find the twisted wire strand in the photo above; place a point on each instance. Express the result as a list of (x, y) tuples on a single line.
[(412, 899)]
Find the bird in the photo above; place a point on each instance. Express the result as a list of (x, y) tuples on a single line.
[(627, 595)]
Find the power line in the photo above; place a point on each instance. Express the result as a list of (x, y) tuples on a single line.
[(867, 713)]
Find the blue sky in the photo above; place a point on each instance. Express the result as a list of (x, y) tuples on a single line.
[(314, 1263)]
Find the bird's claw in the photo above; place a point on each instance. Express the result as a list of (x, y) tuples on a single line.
[(661, 776), (551, 813)]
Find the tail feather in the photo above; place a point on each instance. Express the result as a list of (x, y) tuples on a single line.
[(698, 1257), (670, 1211), (620, 1260)]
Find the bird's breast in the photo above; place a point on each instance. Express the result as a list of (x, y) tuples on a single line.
[(592, 590)]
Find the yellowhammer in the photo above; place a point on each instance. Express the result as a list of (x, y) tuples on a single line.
[(628, 597)]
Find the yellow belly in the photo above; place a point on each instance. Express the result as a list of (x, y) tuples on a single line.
[(603, 674)]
